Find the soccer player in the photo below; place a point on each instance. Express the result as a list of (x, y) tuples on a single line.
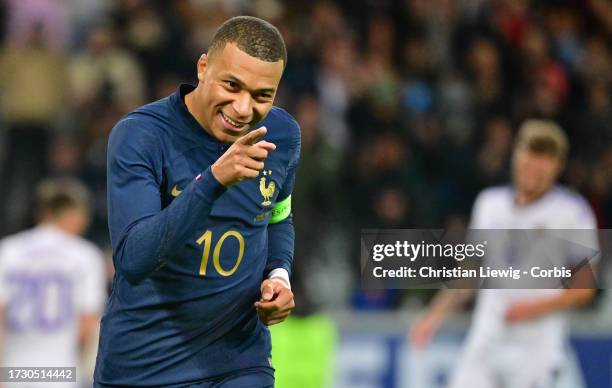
[(199, 191), (52, 284), (517, 337)]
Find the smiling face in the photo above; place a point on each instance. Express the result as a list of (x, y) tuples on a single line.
[(234, 93)]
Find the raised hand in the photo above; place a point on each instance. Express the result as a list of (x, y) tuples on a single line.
[(244, 159)]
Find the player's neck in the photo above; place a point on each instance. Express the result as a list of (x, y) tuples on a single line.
[(522, 198), (61, 225), (191, 103)]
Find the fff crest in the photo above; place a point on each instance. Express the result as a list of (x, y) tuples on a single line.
[(266, 190)]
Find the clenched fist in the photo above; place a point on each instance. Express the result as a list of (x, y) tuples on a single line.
[(244, 159), (276, 302)]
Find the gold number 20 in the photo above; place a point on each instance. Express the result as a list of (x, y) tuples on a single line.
[(206, 239)]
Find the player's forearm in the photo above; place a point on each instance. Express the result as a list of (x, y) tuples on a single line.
[(580, 293), (148, 243), (448, 301), (281, 237), (87, 328), (567, 300)]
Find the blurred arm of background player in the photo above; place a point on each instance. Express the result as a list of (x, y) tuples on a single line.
[(444, 303), (88, 324), (581, 291)]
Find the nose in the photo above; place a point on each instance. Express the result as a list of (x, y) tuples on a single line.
[(243, 106)]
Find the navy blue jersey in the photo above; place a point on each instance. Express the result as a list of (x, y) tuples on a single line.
[(189, 254)]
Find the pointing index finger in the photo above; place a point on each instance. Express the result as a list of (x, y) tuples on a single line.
[(251, 137)]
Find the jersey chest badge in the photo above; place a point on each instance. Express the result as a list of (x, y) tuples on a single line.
[(266, 189)]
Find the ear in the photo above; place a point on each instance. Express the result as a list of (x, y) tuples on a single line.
[(202, 66)]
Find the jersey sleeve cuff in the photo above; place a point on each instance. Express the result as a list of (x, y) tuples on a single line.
[(208, 186), (280, 275)]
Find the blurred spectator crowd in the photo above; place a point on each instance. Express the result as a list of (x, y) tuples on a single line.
[(408, 107)]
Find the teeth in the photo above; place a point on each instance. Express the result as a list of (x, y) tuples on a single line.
[(234, 123)]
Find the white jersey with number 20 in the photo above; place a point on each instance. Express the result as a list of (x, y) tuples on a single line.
[(48, 278)]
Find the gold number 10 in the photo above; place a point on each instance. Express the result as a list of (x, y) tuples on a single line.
[(206, 239)]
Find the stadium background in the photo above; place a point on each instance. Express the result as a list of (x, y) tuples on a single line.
[(407, 108)]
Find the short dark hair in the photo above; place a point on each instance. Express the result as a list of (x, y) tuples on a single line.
[(254, 36), (54, 196)]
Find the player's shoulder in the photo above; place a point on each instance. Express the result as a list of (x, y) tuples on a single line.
[(284, 117), (142, 131), (150, 121), (15, 241), (281, 125), (154, 112), (88, 249), (494, 195), (569, 198), (81, 251), (46, 236), (44, 242)]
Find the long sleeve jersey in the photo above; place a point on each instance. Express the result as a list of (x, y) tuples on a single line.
[(190, 254)]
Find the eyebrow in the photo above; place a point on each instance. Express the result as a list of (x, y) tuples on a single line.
[(242, 85)]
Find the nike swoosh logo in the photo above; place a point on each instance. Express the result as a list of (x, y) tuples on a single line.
[(175, 191)]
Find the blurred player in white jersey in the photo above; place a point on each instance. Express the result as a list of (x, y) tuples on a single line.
[(52, 287), (518, 337)]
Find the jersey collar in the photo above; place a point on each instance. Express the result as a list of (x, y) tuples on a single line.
[(177, 100)]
